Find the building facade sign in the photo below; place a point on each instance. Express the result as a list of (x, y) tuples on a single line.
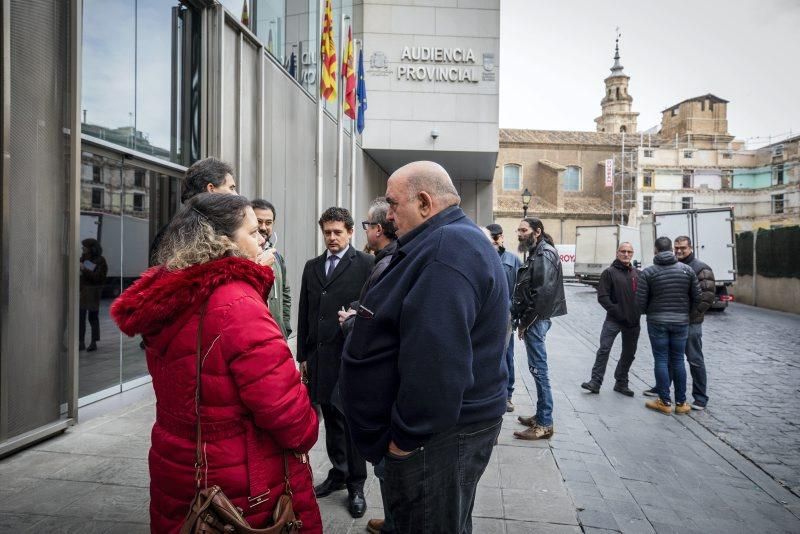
[(438, 64)]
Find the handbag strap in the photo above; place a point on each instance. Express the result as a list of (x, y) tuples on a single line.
[(198, 462)]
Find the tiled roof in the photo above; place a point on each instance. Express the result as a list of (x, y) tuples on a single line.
[(559, 137), (713, 98)]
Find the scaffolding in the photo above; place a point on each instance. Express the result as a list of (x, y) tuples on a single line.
[(623, 182)]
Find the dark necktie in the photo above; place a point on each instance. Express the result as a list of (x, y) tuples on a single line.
[(331, 266)]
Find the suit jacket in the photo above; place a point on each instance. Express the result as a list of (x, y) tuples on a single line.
[(319, 337)]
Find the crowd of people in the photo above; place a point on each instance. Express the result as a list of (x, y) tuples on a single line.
[(406, 352)]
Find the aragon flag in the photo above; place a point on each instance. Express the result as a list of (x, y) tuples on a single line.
[(327, 84), (349, 76)]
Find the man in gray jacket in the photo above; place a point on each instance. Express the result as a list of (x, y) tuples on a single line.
[(668, 292)]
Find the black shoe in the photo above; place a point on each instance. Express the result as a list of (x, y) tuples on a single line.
[(356, 503), (652, 392), (625, 390), (81, 346), (327, 487), (594, 387), (92, 347)]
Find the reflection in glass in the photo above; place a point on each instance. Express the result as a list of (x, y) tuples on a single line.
[(136, 92)]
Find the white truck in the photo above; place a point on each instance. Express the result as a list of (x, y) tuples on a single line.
[(713, 241), (596, 247)]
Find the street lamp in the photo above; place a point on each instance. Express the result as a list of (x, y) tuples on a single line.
[(526, 200)]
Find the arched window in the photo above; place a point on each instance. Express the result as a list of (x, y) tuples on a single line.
[(512, 177), (617, 93), (622, 129), (572, 178)]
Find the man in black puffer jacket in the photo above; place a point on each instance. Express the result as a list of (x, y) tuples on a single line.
[(617, 294), (694, 344), (668, 292)]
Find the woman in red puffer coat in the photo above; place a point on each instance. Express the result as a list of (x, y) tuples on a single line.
[(253, 406)]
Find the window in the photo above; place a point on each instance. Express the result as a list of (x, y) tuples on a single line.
[(727, 155), (703, 105), (97, 173), (512, 174), (648, 153), (138, 178), (687, 179), (572, 178), (647, 178), (674, 111), (97, 197), (622, 129), (647, 204), (617, 93), (138, 202), (777, 203), (777, 151), (779, 175), (688, 154), (686, 203)]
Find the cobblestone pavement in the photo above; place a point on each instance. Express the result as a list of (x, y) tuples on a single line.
[(753, 361), (612, 465)]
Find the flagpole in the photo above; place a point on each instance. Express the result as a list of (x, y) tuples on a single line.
[(320, 117), (356, 48), (339, 116)]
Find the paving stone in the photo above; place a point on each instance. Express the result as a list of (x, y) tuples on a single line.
[(594, 518), (528, 527)]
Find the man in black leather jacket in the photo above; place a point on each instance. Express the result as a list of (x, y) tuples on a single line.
[(617, 294), (538, 296), (694, 343)]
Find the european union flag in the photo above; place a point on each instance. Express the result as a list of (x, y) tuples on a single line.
[(361, 93)]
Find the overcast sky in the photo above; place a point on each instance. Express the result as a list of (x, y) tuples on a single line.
[(554, 57)]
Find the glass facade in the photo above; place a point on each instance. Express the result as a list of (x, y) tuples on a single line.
[(140, 84), (123, 205)]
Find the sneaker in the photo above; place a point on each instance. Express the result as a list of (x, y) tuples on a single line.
[(590, 386), (698, 407), (650, 392), (527, 420), (374, 526), (509, 406), (659, 406), (535, 432), (682, 408), (625, 390)]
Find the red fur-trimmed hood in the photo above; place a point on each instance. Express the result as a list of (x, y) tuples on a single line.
[(160, 296)]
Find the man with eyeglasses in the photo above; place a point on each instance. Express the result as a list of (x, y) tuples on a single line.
[(511, 264), (617, 294)]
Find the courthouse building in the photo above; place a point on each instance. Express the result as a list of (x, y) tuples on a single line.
[(107, 102)]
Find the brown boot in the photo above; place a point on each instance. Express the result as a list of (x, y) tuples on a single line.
[(659, 406), (527, 420), (374, 526), (535, 432)]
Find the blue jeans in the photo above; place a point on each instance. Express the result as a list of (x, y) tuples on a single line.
[(510, 362), (537, 363), (669, 343)]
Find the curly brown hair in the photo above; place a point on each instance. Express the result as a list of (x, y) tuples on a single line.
[(203, 231)]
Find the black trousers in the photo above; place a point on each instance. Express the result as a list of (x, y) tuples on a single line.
[(348, 465), (94, 322), (432, 490), (630, 337)]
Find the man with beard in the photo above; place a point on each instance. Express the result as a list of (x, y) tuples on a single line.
[(511, 265), (617, 294), (280, 296), (538, 296)]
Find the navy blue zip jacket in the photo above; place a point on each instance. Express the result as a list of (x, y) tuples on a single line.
[(427, 348)]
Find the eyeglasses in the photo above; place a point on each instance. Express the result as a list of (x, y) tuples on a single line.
[(365, 224)]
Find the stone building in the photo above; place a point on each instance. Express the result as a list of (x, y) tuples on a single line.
[(565, 170)]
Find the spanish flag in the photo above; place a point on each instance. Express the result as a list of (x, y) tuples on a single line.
[(327, 84), (349, 75)]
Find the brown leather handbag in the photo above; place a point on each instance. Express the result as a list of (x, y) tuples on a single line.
[(211, 511)]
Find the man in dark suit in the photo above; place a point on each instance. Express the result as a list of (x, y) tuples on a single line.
[(330, 283)]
